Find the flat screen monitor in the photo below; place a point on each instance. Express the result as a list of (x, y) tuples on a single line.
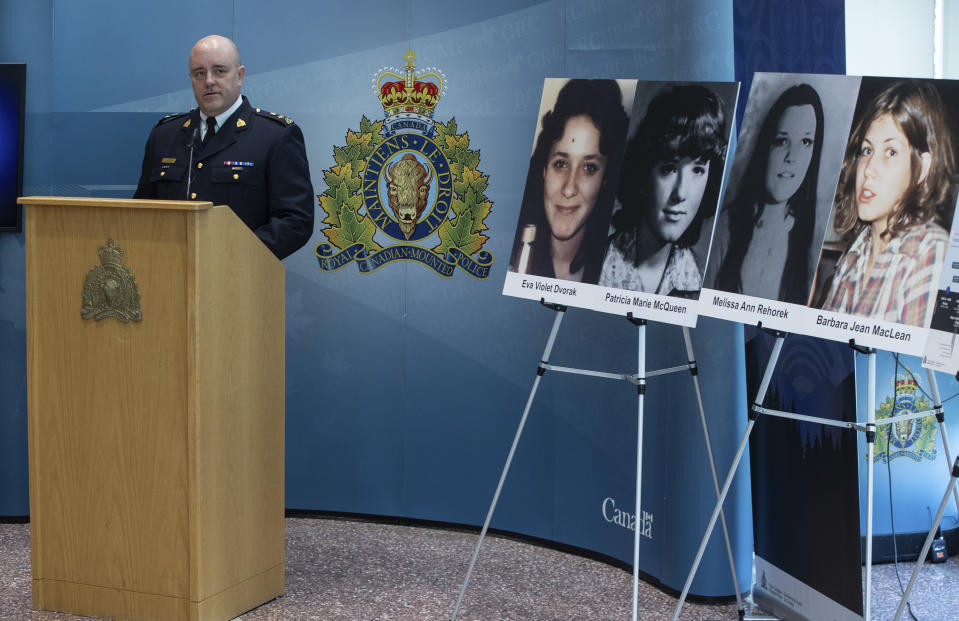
[(13, 80)]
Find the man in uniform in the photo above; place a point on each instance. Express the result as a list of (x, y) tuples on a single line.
[(230, 153)]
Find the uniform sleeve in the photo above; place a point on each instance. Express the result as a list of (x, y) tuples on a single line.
[(290, 191)]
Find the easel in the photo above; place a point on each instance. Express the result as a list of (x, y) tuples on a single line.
[(950, 487), (870, 430), (932, 533), (639, 380)]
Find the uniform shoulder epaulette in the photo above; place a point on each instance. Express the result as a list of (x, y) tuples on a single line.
[(170, 117), (279, 118)]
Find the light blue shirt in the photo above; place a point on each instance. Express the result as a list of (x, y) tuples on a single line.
[(220, 118)]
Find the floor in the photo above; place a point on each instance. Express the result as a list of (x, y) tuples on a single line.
[(364, 571)]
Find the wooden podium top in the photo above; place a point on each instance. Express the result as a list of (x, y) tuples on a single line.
[(126, 203)]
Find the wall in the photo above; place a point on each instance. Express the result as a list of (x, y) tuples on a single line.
[(890, 38), (404, 389)]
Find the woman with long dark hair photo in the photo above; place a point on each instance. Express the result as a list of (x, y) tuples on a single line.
[(893, 200), (763, 241), (571, 183), (672, 173)]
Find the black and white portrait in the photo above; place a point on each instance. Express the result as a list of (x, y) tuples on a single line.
[(771, 226)]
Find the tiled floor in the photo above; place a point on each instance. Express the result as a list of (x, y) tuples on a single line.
[(361, 571)]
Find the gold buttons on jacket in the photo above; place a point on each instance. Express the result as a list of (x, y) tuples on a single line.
[(192, 194), (199, 164), (162, 173), (236, 175)]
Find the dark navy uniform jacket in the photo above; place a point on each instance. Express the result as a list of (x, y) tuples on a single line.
[(255, 163)]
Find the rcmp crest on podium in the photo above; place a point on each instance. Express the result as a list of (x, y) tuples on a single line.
[(914, 438), (409, 179), (109, 289)]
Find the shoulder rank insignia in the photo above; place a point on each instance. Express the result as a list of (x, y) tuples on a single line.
[(279, 118), (109, 290), (171, 117)]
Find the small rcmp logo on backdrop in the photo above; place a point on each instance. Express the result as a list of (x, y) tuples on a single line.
[(406, 178), (914, 438)]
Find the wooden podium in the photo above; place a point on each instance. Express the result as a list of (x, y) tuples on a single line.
[(156, 446)]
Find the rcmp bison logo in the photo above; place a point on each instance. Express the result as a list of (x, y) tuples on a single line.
[(408, 179)]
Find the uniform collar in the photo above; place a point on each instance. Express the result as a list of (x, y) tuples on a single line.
[(238, 121), (226, 114)]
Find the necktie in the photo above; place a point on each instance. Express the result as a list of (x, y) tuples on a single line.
[(210, 130)]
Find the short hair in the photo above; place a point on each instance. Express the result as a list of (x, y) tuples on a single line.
[(917, 109), (747, 208), (601, 101), (232, 44), (236, 52), (680, 121)]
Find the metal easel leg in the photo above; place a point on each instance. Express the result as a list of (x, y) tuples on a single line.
[(560, 311), (950, 488), (753, 414), (941, 418), (871, 449), (694, 370), (641, 392)]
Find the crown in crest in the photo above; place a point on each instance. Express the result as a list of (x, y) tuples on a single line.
[(906, 386), (409, 100), (110, 254)]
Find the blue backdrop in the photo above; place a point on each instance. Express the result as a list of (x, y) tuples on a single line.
[(404, 389)]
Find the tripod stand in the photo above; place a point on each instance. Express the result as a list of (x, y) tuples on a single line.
[(639, 380), (950, 487), (869, 428)]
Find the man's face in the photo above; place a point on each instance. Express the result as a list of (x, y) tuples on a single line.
[(216, 75)]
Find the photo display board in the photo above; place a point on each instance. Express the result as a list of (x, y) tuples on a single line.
[(834, 220), (621, 193), (941, 353)]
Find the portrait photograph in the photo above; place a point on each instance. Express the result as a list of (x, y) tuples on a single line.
[(894, 203), (573, 179), (770, 228), (669, 187)]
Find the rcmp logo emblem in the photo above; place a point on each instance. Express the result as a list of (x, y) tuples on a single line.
[(914, 438), (109, 290), (406, 178)]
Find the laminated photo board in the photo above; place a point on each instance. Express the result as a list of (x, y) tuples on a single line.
[(861, 258), (618, 218), (941, 353)]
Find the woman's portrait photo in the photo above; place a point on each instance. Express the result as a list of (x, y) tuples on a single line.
[(572, 180), (768, 235), (670, 184), (894, 200)]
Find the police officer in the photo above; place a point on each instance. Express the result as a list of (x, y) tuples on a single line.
[(232, 154)]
